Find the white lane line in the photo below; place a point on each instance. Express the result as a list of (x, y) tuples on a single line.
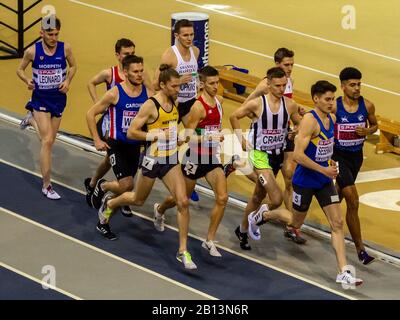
[(378, 175), (172, 228), (364, 176), (205, 7), (226, 44), (21, 273), (120, 14), (110, 255)]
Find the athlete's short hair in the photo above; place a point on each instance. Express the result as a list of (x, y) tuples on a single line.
[(128, 60), (123, 43), (282, 53), (321, 87), (350, 73), (184, 23), (207, 71), (275, 72)]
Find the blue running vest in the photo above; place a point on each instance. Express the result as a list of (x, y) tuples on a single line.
[(123, 112), (49, 71), (320, 150), (346, 138)]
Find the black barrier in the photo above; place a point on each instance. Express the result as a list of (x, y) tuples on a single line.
[(18, 52)]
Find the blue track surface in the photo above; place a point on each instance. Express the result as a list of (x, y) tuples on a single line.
[(231, 277)]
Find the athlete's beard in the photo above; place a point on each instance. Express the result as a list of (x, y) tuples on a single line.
[(135, 84)]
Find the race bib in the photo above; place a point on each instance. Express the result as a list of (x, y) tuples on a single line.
[(273, 139), (127, 117), (188, 90), (297, 199), (324, 150), (347, 136), (171, 143), (50, 79), (190, 168), (148, 163), (210, 131)]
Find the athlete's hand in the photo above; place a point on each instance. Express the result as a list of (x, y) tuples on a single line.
[(292, 134), (100, 145), (331, 171), (182, 140), (301, 111), (31, 84), (64, 87), (361, 131), (214, 137), (185, 78), (245, 145)]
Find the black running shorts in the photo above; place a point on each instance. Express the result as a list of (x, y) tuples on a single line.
[(302, 197), (349, 165)]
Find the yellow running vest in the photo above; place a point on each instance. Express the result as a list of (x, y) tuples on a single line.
[(166, 121)]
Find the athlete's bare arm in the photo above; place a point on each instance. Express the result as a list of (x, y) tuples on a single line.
[(293, 110), (372, 121), (169, 58), (64, 87), (261, 89), (110, 97), (147, 114), (196, 114), (28, 57), (147, 81), (309, 129), (103, 76), (250, 110)]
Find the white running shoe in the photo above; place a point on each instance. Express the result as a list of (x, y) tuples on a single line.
[(158, 219), (50, 193), (186, 260), (25, 122), (211, 248), (254, 218), (346, 278)]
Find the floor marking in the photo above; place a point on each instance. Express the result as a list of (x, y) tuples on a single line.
[(225, 44), (20, 217), (24, 274), (207, 7)]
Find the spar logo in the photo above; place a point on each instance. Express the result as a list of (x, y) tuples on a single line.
[(206, 44)]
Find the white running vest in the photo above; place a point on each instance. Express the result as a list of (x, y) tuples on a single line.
[(268, 133), (188, 90)]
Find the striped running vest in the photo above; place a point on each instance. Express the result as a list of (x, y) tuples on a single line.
[(268, 133), (115, 78)]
